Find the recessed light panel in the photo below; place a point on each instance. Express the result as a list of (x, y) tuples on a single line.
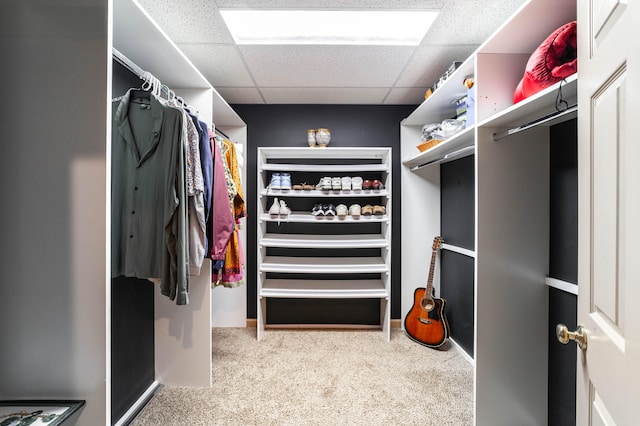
[(339, 27)]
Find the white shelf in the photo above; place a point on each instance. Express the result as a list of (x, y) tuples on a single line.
[(535, 106), (321, 194), (349, 169), (330, 153), (442, 103), (324, 241), (449, 149), (330, 289), (303, 217), (324, 265)]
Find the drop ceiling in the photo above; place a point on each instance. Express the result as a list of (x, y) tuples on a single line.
[(321, 74)]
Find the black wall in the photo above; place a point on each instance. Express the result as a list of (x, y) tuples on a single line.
[(132, 316), (563, 265), (457, 227), (350, 125)]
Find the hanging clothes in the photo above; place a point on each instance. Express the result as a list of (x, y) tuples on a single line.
[(149, 230), (195, 190), (232, 272), (220, 223)]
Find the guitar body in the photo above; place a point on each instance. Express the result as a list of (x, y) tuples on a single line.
[(429, 327)]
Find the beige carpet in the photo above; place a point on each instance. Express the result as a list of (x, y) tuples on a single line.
[(321, 377)]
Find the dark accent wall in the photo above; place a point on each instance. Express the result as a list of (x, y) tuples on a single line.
[(351, 126), (457, 202), (132, 315), (563, 265), (457, 228)]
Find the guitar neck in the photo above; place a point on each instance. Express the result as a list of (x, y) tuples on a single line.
[(429, 290)]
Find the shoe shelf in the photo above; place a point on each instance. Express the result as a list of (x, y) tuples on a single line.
[(285, 193), (324, 241), (324, 168), (305, 256), (304, 217), (330, 289), (323, 265)]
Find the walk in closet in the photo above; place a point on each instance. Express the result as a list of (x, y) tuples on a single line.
[(498, 264), (502, 193)]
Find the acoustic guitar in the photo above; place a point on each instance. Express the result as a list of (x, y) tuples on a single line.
[(426, 322)]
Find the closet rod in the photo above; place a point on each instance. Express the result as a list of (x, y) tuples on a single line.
[(448, 156), (537, 122), (222, 133), (126, 62)]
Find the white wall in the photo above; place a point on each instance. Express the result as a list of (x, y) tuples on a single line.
[(53, 181)]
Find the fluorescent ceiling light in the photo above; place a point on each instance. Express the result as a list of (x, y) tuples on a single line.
[(347, 27)]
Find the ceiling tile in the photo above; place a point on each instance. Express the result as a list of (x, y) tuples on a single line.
[(333, 4), (188, 21), (221, 64), (405, 96), (321, 95), (429, 63), (325, 66), (469, 21), (241, 95)]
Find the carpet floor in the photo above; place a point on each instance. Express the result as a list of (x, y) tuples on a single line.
[(321, 377)]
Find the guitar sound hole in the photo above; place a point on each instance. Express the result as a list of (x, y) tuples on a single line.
[(427, 305)]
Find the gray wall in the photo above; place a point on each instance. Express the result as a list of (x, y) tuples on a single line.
[(54, 82)]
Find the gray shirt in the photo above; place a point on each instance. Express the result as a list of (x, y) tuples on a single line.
[(149, 237)]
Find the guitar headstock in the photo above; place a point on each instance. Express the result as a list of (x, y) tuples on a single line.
[(437, 242)]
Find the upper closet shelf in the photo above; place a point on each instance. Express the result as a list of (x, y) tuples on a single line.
[(459, 145), (537, 106), (442, 103)]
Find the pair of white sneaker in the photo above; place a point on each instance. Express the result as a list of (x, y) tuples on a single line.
[(279, 208)]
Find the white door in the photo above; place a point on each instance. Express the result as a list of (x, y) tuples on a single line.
[(608, 376)]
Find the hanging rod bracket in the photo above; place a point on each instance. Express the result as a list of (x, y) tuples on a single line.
[(534, 123)]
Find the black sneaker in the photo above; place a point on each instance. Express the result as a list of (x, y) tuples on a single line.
[(317, 210), (329, 210)]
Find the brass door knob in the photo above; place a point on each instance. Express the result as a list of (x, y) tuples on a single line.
[(579, 336)]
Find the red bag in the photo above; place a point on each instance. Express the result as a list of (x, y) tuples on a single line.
[(554, 60)]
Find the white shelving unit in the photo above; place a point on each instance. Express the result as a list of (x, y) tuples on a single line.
[(511, 211), (290, 248)]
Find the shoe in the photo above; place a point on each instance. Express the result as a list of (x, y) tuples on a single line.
[(285, 181), (329, 210), (324, 184), (379, 210), (346, 183), (367, 210), (366, 184), (356, 183), (317, 210), (376, 184), (275, 181), (304, 186), (284, 209), (336, 184), (341, 211), (275, 208), (354, 210)]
